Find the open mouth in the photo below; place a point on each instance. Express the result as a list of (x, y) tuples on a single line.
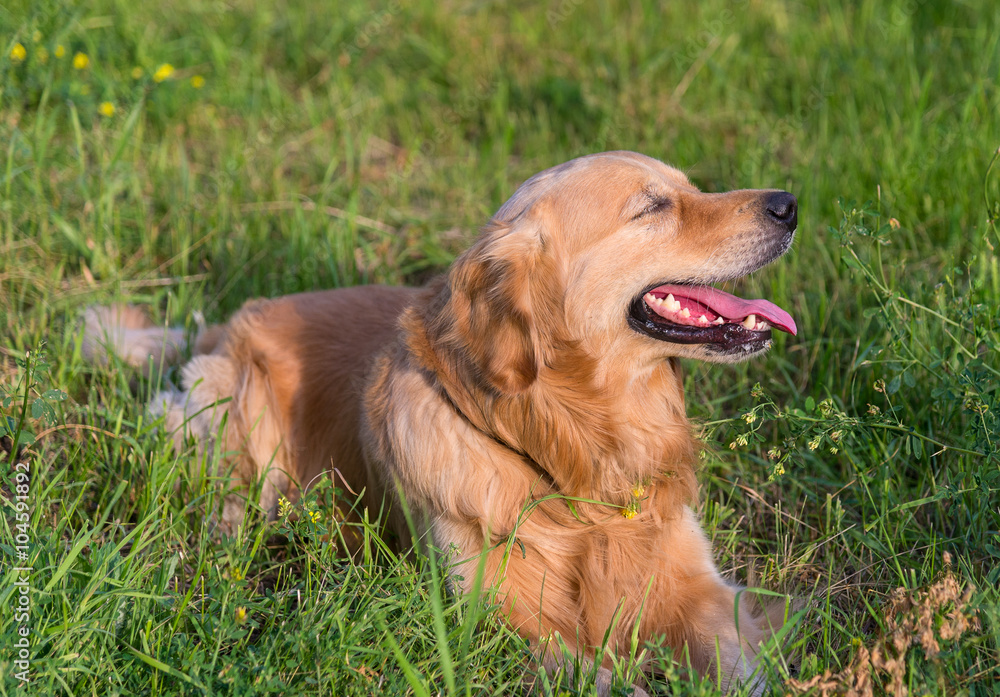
[(693, 314)]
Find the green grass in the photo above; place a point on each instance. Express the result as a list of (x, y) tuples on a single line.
[(335, 144)]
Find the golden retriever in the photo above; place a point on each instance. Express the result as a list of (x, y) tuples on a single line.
[(529, 405)]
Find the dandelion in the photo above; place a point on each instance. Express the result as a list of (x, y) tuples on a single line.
[(106, 109), (197, 81), (136, 72), (163, 72), (18, 53), (60, 51), (80, 60)]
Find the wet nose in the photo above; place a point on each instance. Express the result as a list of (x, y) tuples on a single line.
[(782, 208)]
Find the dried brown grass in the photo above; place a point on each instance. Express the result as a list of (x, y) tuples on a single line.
[(923, 618)]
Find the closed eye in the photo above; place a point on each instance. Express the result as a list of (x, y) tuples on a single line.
[(656, 204)]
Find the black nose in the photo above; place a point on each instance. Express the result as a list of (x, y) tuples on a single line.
[(783, 209)]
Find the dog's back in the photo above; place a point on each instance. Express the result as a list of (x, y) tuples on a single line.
[(289, 372)]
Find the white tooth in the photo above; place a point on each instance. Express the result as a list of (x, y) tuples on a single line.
[(703, 319), (650, 299), (685, 312), (670, 299), (750, 321), (719, 320)]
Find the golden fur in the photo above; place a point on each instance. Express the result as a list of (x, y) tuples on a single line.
[(509, 402)]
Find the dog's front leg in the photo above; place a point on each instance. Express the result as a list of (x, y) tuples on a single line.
[(727, 638)]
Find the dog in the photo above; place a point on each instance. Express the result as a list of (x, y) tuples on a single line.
[(527, 407)]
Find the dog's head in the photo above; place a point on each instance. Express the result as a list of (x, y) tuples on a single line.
[(616, 255)]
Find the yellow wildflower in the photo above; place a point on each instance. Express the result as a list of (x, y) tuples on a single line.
[(638, 490), (284, 507), (315, 516), (106, 109), (197, 81), (80, 60), (136, 72), (241, 615), (60, 51), (629, 512), (18, 53), (163, 72)]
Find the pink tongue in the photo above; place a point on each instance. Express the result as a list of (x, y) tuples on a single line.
[(729, 307)]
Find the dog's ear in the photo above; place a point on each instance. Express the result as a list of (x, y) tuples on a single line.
[(495, 323), (492, 289)]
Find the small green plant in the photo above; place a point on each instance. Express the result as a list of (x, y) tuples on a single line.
[(22, 399)]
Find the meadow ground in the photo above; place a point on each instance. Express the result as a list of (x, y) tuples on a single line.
[(189, 155)]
